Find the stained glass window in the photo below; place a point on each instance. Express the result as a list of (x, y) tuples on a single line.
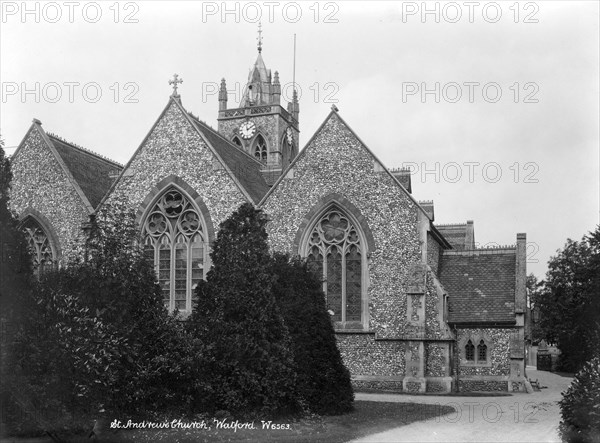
[(470, 351), (335, 252), (174, 241), (39, 246), (260, 149)]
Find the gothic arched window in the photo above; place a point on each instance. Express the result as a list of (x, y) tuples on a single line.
[(260, 148), (335, 251), (237, 141), (174, 239), (42, 254), (470, 351), (481, 352)]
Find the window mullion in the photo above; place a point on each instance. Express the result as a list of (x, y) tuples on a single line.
[(343, 251)]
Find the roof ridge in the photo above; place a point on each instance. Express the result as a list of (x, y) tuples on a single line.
[(486, 251), (218, 134), (81, 148), (437, 225)]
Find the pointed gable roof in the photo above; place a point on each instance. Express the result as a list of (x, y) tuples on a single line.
[(93, 173), (241, 167), (334, 114), (90, 174)]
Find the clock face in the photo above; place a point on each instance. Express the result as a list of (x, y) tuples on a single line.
[(247, 129), (290, 135)]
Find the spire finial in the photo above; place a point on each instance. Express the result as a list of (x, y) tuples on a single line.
[(259, 38), (174, 82)]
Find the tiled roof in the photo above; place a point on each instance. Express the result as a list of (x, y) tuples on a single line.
[(457, 235), (245, 168), (93, 173), (480, 284)]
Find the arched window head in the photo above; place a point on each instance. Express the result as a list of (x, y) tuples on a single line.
[(335, 251), (175, 239), (481, 352), (42, 254), (237, 141), (260, 149), (470, 351)]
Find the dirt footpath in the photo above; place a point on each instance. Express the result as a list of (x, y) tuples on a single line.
[(517, 418)]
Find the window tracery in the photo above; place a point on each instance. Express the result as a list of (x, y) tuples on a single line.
[(42, 255), (260, 149), (335, 252), (174, 239)]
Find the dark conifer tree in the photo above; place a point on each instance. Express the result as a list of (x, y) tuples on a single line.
[(323, 380), (249, 356)]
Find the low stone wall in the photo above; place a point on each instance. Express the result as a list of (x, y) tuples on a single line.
[(482, 385)]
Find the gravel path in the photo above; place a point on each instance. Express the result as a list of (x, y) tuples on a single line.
[(516, 418)]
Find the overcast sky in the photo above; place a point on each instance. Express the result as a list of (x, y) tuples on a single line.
[(494, 105)]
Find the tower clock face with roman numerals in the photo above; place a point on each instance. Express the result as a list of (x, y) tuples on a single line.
[(247, 129)]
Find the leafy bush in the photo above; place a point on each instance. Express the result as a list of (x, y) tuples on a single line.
[(95, 336), (323, 380), (580, 406), (249, 363)]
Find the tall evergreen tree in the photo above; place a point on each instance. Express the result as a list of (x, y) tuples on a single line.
[(323, 380), (570, 302), (249, 357)]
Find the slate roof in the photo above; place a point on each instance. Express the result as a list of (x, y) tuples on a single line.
[(456, 234), (480, 284), (243, 166), (93, 173)]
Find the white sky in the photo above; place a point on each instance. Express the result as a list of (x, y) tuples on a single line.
[(374, 59)]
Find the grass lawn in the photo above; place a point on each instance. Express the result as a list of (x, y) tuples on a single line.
[(367, 418)]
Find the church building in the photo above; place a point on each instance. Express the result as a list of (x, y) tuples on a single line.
[(415, 305)]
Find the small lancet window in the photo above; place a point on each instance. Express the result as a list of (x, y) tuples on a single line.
[(42, 255), (237, 141), (481, 352), (470, 351), (260, 149)]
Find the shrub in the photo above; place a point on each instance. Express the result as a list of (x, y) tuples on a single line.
[(580, 406), (249, 363), (323, 380)]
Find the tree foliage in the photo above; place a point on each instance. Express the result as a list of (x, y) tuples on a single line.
[(249, 361), (580, 406), (323, 380), (570, 301)]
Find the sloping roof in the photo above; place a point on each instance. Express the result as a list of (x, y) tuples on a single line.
[(459, 235), (480, 284), (93, 173), (243, 166)]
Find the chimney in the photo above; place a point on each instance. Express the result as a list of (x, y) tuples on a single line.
[(276, 88), (521, 274), (470, 236)]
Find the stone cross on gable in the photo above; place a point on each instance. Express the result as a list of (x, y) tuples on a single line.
[(174, 82)]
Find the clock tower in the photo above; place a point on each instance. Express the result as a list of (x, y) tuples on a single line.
[(260, 125)]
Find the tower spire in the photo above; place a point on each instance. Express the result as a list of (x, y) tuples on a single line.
[(259, 38)]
